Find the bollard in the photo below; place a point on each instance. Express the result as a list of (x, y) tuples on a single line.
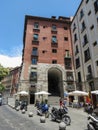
[(42, 119), (30, 114), (62, 126), (17, 108), (13, 107), (23, 111)]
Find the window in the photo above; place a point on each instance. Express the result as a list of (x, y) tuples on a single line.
[(74, 27), (67, 53), (44, 38), (65, 28), (75, 37), (97, 20), (44, 51), (95, 43), (44, 26), (87, 1), (36, 25), (34, 60), (77, 63), (54, 50), (69, 76), (87, 55), (89, 75), (35, 51), (96, 6), (35, 37), (97, 63), (79, 77), (54, 27), (92, 27), (83, 26), (81, 14), (54, 39), (89, 12), (85, 40), (65, 38), (33, 76), (54, 61), (68, 64), (89, 69), (77, 50)]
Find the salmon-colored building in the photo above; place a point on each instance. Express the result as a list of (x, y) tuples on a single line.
[(11, 81), (47, 56)]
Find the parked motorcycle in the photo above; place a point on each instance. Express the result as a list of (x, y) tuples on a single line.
[(60, 115), (92, 122), (43, 109)]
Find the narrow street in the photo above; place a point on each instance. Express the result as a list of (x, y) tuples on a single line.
[(10, 119)]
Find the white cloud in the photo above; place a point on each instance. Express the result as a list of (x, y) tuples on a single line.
[(8, 61)]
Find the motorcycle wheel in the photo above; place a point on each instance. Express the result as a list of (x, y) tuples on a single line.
[(90, 127), (66, 120), (52, 117)]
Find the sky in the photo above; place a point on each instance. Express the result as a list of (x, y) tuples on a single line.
[(13, 13)]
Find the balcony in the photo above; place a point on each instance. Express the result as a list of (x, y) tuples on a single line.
[(34, 55), (67, 56), (36, 30), (70, 78), (89, 76), (54, 44), (35, 42), (54, 31)]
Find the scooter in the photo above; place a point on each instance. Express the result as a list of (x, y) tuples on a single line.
[(43, 110), (60, 115), (92, 122)]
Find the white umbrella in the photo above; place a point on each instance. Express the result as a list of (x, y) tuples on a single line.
[(42, 93), (23, 93), (78, 93), (94, 92)]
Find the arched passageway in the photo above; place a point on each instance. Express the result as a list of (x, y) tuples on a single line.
[(55, 82)]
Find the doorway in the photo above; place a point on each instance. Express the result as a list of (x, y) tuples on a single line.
[(55, 82)]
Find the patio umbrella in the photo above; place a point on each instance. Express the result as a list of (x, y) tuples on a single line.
[(94, 92), (42, 93), (23, 93), (78, 93)]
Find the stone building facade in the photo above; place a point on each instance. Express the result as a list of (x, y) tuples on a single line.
[(84, 30), (47, 56)]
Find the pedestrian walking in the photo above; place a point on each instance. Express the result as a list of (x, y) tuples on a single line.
[(65, 101), (60, 102)]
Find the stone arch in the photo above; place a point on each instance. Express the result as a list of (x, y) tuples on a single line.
[(55, 80)]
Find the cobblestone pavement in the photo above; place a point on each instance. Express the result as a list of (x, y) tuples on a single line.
[(78, 119)]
